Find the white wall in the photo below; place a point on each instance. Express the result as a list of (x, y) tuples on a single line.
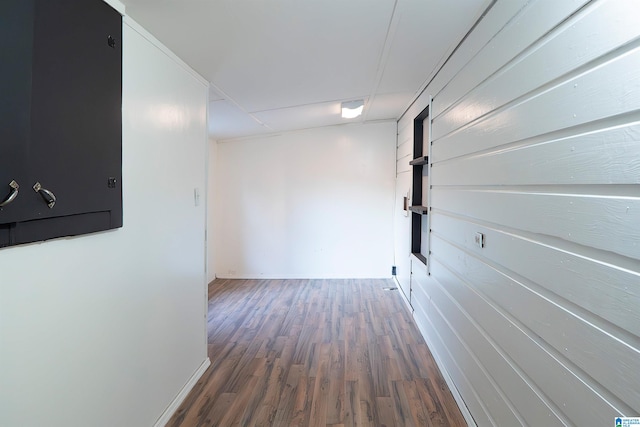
[(212, 162), (536, 144), (313, 203), (106, 329)]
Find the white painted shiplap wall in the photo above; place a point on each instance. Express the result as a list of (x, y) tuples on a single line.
[(536, 144)]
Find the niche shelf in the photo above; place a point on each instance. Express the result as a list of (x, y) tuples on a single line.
[(423, 160), (421, 210), (420, 257)]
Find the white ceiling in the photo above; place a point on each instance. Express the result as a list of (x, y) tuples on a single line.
[(278, 65)]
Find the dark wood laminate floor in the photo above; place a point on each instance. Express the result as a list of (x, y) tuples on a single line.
[(315, 353)]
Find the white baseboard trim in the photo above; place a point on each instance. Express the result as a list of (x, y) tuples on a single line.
[(173, 407), (404, 296), (452, 386), (454, 390), (284, 276)]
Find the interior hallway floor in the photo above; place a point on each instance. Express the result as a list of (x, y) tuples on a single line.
[(315, 353)]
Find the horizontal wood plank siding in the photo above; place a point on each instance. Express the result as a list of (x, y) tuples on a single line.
[(536, 145), (579, 402), (597, 92), (605, 154), (532, 25), (603, 221), (573, 275), (568, 332), (405, 151), (498, 16), (516, 388)]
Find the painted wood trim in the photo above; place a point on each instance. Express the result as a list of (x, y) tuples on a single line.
[(175, 404), (404, 150), (452, 386), (495, 403), (446, 363), (117, 5), (402, 165), (406, 137), (158, 44), (421, 301), (402, 241), (403, 295), (402, 127)]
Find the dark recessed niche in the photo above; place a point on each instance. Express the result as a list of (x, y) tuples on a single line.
[(419, 166), (60, 119)]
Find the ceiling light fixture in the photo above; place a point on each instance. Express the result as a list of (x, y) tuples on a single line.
[(352, 109)]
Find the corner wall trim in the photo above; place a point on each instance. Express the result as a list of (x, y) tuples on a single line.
[(173, 407), (404, 296)]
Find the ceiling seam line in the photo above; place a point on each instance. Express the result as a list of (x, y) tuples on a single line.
[(384, 57), (230, 99), (442, 64)]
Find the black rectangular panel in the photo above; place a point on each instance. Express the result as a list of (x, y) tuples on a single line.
[(16, 59), (60, 118), (76, 109)]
